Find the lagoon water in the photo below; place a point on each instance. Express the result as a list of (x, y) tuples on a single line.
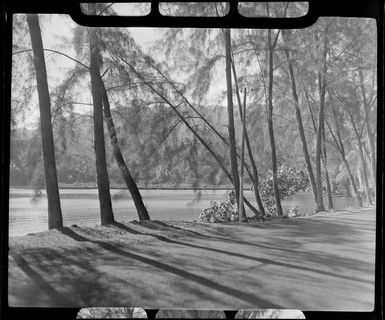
[(81, 206)]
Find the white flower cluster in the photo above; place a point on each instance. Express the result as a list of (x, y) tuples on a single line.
[(294, 211), (220, 211)]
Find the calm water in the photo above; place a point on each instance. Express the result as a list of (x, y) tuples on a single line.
[(81, 206)]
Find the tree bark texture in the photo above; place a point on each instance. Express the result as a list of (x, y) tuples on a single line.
[(55, 219), (106, 213), (362, 158), (194, 132), (340, 146), (326, 169), (270, 125), (300, 127), (253, 175), (230, 114), (128, 179), (322, 93), (241, 213), (255, 179), (371, 136)]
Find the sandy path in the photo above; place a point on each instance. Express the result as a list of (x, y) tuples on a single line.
[(321, 262)]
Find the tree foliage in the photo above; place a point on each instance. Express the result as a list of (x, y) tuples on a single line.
[(168, 104)]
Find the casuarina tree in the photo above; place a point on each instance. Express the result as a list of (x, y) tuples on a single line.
[(55, 219)]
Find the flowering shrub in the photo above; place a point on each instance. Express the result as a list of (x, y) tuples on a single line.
[(221, 211), (293, 211), (289, 180)]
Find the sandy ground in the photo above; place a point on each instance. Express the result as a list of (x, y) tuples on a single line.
[(322, 262)]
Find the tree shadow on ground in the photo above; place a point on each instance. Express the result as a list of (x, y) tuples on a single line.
[(307, 256), (66, 273), (252, 299), (54, 296), (329, 231), (281, 247), (292, 233)]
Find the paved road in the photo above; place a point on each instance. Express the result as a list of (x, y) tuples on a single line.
[(323, 262)]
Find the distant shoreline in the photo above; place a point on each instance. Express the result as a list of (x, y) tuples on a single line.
[(140, 188), (205, 188)]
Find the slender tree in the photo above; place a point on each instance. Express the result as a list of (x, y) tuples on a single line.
[(326, 169), (243, 121), (183, 119), (350, 110), (270, 52), (323, 151), (337, 138), (362, 158), (321, 114), (128, 179), (106, 213), (299, 121), (254, 176), (369, 130), (230, 127), (55, 219)]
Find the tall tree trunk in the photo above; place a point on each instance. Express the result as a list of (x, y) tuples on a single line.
[(323, 153), (255, 177), (243, 121), (346, 184), (130, 182), (362, 158), (340, 146), (322, 92), (326, 170), (270, 125), (55, 219), (352, 181), (230, 114), (194, 132), (300, 127), (369, 129), (106, 213)]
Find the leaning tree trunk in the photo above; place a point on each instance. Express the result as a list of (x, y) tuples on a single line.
[(130, 182), (55, 219), (323, 153), (371, 136), (362, 157), (365, 171), (340, 146), (106, 213), (320, 204), (243, 121), (322, 92), (351, 178), (300, 128), (255, 178), (230, 113), (193, 131), (326, 169), (270, 126)]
